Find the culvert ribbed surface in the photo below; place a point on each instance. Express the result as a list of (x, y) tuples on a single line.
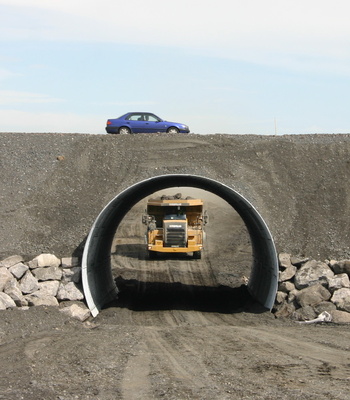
[(98, 282)]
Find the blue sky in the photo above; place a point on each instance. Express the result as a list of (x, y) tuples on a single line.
[(229, 66)]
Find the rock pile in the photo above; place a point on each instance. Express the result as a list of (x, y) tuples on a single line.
[(44, 281), (307, 288)]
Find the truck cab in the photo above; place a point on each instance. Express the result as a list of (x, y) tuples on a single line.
[(175, 225)]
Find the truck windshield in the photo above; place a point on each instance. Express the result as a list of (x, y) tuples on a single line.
[(175, 216)]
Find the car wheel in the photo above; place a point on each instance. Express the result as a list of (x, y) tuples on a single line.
[(124, 130), (173, 130)]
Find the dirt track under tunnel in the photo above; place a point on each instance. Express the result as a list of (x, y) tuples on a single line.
[(173, 335), (177, 281)]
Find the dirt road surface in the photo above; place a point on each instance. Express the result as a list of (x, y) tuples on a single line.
[(181, 329)]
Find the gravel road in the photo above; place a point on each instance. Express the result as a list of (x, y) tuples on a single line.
[(179, 330)]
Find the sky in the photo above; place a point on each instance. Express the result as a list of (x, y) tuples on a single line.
[(226, 66)]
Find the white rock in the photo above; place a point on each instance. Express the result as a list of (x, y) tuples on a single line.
[(69, 291), (280, 297), (292, 295), (287, 270), (286, 287), (312, 272), (18, 270), (49, 288), (341, 298), (340, 317), (5, 276), (312, 295), (47, 260), (78, 312), (72, 274), (47, 273), (6, 301), (13, 290), (28, 284), (70, 262), (339, 281), (10, 261)]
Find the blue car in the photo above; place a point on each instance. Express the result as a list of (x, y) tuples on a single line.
[(143, 122)]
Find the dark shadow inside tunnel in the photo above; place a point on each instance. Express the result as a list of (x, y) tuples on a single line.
[(137, 295), (98, 282)]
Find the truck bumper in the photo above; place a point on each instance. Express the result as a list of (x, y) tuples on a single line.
[(162, 249)]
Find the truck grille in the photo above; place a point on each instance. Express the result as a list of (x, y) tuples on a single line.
[(175, 234)]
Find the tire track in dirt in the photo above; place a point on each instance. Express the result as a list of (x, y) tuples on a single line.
[(136, 378), (178, 366)]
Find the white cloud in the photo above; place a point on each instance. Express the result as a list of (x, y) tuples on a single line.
[(5, 74), (129, 103), (19, 121), (8, 97), (268, 32)]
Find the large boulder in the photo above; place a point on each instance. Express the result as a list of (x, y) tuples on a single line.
[(18, 270), (284, 310), (311, 273), (49, 288), (5, 276), (281, 297), (325, 306), (69, 291), (76, 311), (6, 301), (13, 290), (305, 313), (340, 317), (341, 298), (48, 273), (45, 260), (10, 261), (340, 267), (287, 270), (72, 274), (312, 295), (286, 287), (69, 262), (28, 284), (338, 281)]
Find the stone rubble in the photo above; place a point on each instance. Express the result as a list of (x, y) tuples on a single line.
[(310, 288), (307, 288), (44, 281)]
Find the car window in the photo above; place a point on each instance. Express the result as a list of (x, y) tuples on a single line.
[(152, 118), (135, 117)]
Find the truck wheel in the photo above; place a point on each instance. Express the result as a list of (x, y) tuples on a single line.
[(152, 255), (197, 255)]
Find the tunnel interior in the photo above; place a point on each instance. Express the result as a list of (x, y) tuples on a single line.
[(98, 282)]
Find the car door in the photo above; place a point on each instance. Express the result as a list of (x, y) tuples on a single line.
[(153, 123), (136, 123)]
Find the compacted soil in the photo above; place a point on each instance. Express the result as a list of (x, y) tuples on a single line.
[(181, 329)]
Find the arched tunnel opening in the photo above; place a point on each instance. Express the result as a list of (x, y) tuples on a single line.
[(101, 287)]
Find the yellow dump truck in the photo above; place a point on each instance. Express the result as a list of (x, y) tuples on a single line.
[(175, 225)]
